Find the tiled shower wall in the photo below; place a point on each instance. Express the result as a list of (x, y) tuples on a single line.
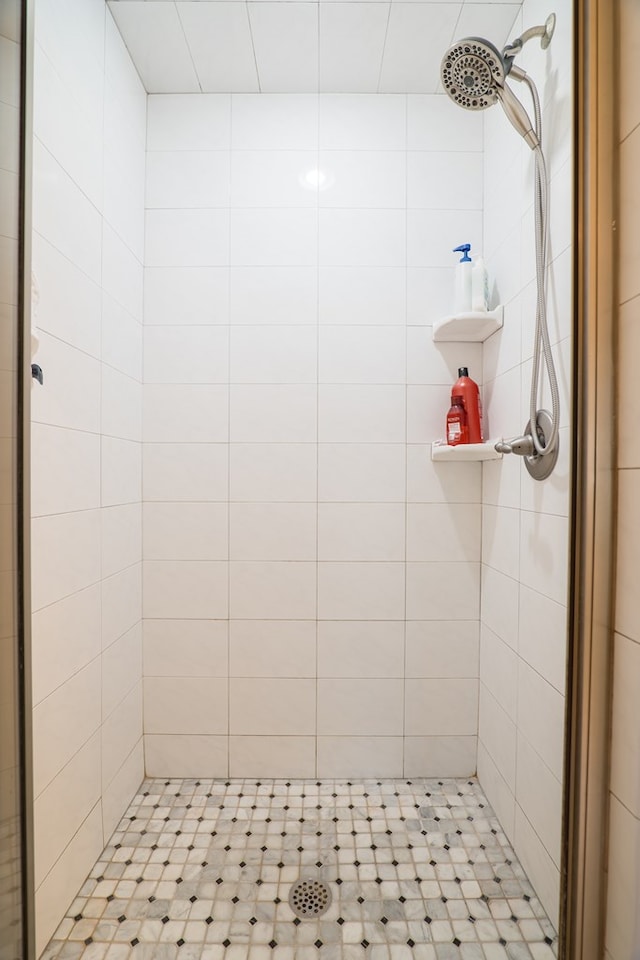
[(525, 525), (88, 161), (311, 579)]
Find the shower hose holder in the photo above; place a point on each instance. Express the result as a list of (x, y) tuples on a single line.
[(539, 466)]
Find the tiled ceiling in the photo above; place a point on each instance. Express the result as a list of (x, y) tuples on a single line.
[(300, 46)]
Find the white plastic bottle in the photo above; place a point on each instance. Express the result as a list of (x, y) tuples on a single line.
[(462, 288), (479, 286)]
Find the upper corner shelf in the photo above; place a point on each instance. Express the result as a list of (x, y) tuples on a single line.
[(471, 327), (440, 450)]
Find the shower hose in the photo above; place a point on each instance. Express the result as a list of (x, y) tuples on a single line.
[(542, 354)]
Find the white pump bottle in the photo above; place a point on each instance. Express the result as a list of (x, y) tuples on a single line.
[(462, 288)]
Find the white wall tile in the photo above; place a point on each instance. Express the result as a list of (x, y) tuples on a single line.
[(121, 603), (176, 122), (185, 589), (187, 179), (186, 755), (121, 400), (365, 648), (185, 531), (367, 295), (273, 354), (436, 589), (537, 863), (168, 413), (185, 648), (357, 591), (274, 237), (185, 471), (272, 707), (178, 705), (435, 123), (65, 473), (272, 531), (55, 574), (272, 591), (442, 648), (185, 354), (120, 733), (541, 717), (361, 354), (354, 122), (273, 414), (500, 603), (360, 707), (441, 707), (121, 339), (440, 757), (361, 414), (274, 122), (444, 181), (272, 648), (436, 534), (187, 238), (65, 637), (624, 860), (121, 537), (273, 472), (540, 797), (259, 756), (362, 238), (359, 756), (361, 178), (274, 178), (63, 722), (274, 295), (429, 482), (73, 387), (191, 295), (499, 670), (361, 472), (542, 636), (498, 736), (361, 531), (121, 669)]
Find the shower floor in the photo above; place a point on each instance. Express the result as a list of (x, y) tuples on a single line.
[(201, 870)]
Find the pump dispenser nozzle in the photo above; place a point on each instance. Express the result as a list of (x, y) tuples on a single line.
[(464, 250)]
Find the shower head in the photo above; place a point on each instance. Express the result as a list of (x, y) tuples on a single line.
[(474, 74)]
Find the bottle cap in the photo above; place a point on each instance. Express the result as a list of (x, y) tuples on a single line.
[(463, 371)]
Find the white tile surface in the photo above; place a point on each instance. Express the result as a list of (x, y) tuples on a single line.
[(440, 756), (220, 45), (176, 122), (352, 39), (360, 707), (272, 531), (272, 648), (367, 295), (187, 179), (434, 122), (362, 238), (285, 43), (185, 589), (361, 472), (262, 756), (361, 354), (158, 45), (273, 413), (273, 354), (185, 471), (278, 237), (442, 648), (441, 707), (274, 295), (436, 534), (436, 589), (361, 414), (353, 122), (272, 591), (185, 354), (272, 707), (357, 591), (185, 648), (541, 717), (168, 413), (185, 705), (273, 178), (187, 238), (191, 295), (273, 472), (185, 531), (366, 648), (361, 531), (188, 755), (359, 756), (274, 122)]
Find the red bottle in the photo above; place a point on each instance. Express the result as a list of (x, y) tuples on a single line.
[(468, 389), (457, 429)]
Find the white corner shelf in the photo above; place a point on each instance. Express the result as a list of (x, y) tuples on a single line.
[(440, 450), (471, 327)]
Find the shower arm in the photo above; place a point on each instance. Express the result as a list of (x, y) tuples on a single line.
[(544, 31)]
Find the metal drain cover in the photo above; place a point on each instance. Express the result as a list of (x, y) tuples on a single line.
[(310, 898)]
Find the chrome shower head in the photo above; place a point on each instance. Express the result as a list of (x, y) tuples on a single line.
[(474, 73)]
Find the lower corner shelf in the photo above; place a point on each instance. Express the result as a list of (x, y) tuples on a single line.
[(440, 450)]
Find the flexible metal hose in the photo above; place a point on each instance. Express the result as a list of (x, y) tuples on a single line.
[(542, 352)]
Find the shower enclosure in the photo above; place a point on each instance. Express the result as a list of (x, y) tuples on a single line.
[(246, 565)]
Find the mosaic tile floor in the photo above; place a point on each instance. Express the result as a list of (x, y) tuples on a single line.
[(201, 870)]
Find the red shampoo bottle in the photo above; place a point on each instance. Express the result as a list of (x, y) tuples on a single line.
[(457, 429), (468, 390)]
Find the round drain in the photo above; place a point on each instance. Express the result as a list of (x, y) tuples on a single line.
[(309, 898)]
